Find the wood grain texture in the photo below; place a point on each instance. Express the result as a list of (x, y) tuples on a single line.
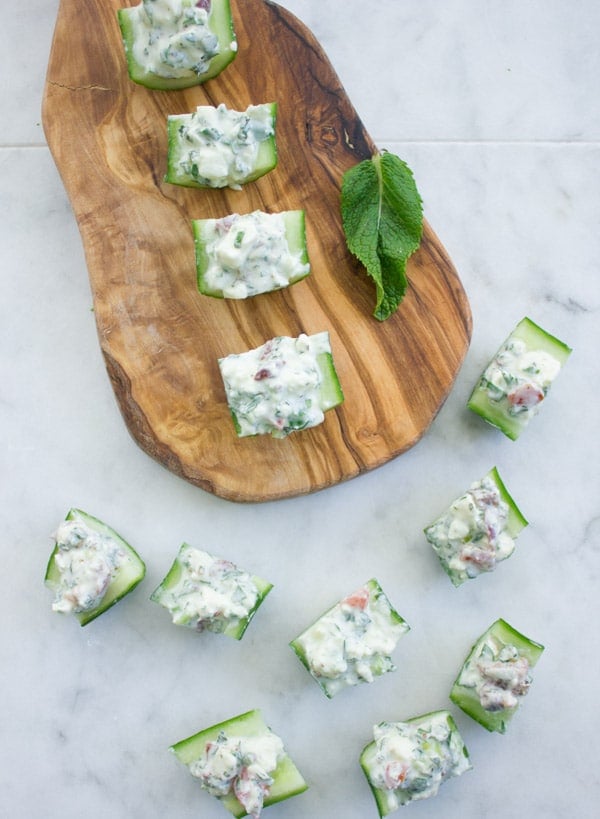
[(161, 339)]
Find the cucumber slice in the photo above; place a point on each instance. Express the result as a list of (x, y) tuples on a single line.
[(285, 385), (352, 641), (219, 147), (206, 592), (242, 256), (517, 380), (126, 575), (287, 779), (154, 52), (488, 648), (477, 531), (408, 761)]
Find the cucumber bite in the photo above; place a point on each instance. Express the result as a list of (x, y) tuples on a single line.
[(91, 567), (351, 643), (209, 593), (409, 760), (174, 44), (517, 380), (242, 763), (283, 386), (496, 676), (244, 255), (219, 147), (477, 531)]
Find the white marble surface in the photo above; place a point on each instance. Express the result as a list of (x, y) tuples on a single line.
[(495, 106)]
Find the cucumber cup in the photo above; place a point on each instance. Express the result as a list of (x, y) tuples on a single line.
[(224, 756), (91, 567), (517, 380)]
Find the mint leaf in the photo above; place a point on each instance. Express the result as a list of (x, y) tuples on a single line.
[(382, 217)]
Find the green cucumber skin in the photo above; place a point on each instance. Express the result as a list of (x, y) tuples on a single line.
[(288, 781), (296, 646), (118, 592), (203, 230), (516, 520), (381, 795), (235, 630), (534, 337), (224, 29), (266, 160), (466, 698)]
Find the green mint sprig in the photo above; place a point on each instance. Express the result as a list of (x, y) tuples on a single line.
[(382, 217)]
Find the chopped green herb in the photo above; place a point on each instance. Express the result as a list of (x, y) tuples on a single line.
[(382, 216)]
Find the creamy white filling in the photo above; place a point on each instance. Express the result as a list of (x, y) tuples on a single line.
[(412, 760), (173, 38), (352, 642), (249, 254), (210, 593), (87, 562), (275, 388), (240, 765), (519, 378), (499, 674), (471, 536), (219, 146)]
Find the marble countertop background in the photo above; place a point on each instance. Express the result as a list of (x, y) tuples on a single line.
[(495, 107)]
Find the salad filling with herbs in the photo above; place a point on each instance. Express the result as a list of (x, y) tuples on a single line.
[(496, 676), (217, 147), (242, 763), (285, 385), (206, 592), (91, 567), (408, 761), (239, 256), (517, 380), (477, 531), (173, 44), (352, 642)]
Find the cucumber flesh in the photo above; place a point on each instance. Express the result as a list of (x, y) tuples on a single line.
[(284, 258), (233, 627), (466, 697), (189, 141), (129, 574), (497, 412), (221, 25), (287, 779)]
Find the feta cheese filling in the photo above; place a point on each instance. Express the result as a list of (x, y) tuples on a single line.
[(519, 378), (471, 537), (412, 759), (87, 561), (250, 254), (352, 642), (242, 765), (211, 592), (275, 388), (498, 673), (219, 146), (173, 38)]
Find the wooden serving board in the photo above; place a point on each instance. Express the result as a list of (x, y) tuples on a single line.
[(161, 339)]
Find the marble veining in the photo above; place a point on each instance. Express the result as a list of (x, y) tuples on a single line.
[(494, 106)]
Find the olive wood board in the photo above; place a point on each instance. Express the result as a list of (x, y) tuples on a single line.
[(161, 339)]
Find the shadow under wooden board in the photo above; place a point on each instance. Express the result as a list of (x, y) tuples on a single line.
[(161, 339)]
